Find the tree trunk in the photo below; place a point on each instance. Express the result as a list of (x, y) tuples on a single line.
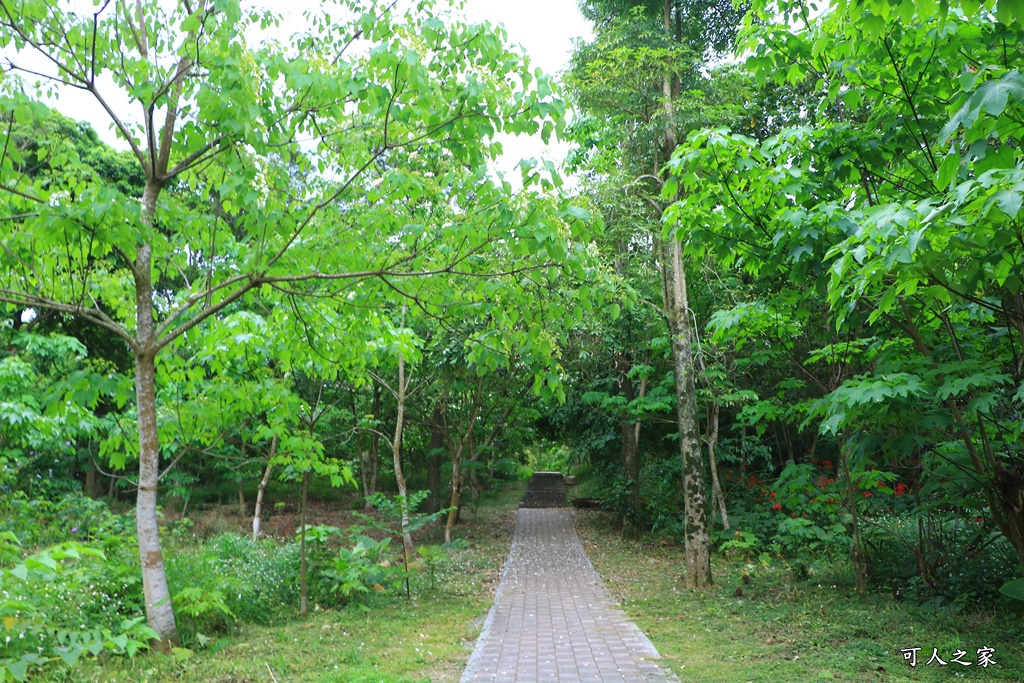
[(433, 502), (790, 453), (303, 594), (456, 498), (677, 311), (257, 515), (475, 485), (370, 464), (159, 612), (628, 431), (92, 483), (698, 553), (716, 486), (857, 547), (1009, 485), (241, 493), (456, 494), (396, 451)]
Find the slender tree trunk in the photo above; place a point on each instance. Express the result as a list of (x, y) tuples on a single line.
[(677, 311), (857, 549), (456, 498), (922, 548), (456, 494), (303, 594), (370, 465), (159, 611), (1009, 484), (396, 450), (475, 485), (790, 453), (257, 515), (92, 488), (433, 502), (154, 578), (716, 486), (628, 431), (698, 551)]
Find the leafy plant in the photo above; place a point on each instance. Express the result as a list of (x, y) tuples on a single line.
[(361, 568), (1013, 589), (41, 633)]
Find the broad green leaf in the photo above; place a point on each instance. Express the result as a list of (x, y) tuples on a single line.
[(1013, 589)]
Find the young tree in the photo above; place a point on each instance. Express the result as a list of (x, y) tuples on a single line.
[(268, 166)]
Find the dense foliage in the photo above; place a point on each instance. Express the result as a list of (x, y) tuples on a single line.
[(780, 318)]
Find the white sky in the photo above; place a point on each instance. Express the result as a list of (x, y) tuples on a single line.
[(544, 28)]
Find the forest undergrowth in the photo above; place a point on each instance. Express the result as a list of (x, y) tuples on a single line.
[(774, 622), (238, 601)]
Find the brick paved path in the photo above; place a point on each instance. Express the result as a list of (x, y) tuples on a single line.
[(552, 618)]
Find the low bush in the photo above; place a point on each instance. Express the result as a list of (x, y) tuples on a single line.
[(56, 609), (257, 578)]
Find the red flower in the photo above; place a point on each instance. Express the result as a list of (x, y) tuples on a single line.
[(901, 488), (773, 495), (868, 494), (777, 506)]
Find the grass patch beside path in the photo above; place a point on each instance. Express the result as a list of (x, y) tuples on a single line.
[(784, 630), (395, 641)]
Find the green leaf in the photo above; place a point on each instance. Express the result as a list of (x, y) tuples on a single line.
[(1013, 589), (1008, 11), (1008, 201), (949, 168), (992, 96), (70, 654), (19, 670)]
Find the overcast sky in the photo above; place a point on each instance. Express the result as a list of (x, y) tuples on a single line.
[(545, 29)]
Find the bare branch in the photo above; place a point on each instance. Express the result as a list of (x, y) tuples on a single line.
[(93, 315), (197, 157)]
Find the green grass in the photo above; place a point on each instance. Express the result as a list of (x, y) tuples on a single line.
[(784, 630), (391, 641)]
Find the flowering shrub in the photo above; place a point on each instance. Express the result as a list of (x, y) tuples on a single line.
[(257, 579), (54, 612)]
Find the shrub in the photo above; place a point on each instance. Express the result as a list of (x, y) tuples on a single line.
[(53, 612), (258, 578)]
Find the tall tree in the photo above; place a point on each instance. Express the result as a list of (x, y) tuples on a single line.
[(900, 198), (643, 75), (267, 166)]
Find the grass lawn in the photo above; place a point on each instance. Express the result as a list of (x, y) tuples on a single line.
[(782, 630), (388, 641)]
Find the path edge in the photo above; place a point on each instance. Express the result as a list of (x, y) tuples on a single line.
[(652, 651), (473, 664)]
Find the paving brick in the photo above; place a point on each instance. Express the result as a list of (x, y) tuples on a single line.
[(553, 619)]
